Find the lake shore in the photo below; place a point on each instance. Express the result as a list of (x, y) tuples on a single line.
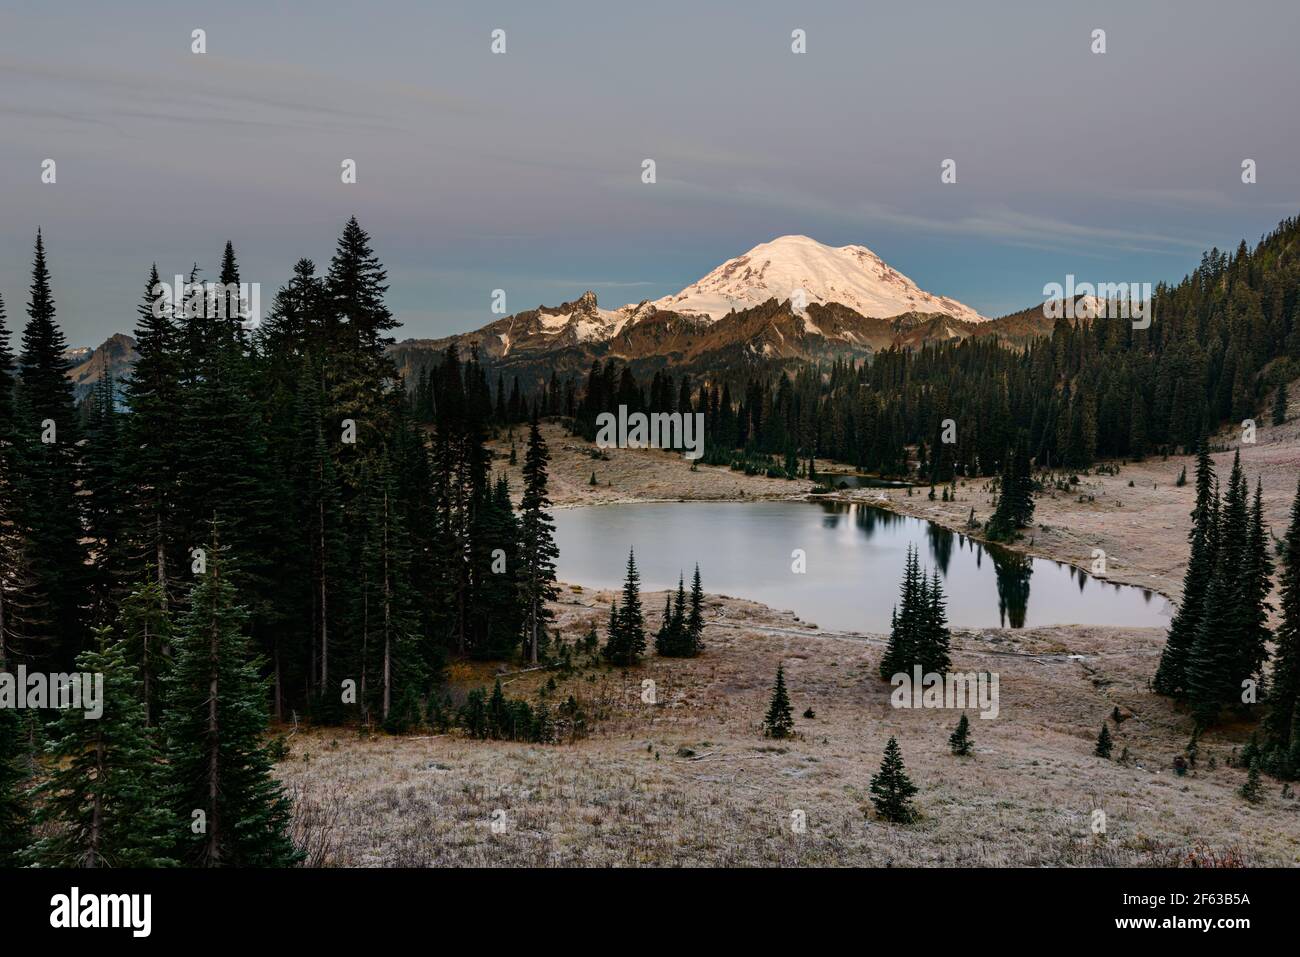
[(1141, 527), (689, 779)]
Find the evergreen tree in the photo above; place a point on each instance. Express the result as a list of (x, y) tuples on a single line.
[(24, 622), (498, 713), (673, 640), (1279, 404), (15, 813), (779, 720), (388, 613), (1214, 662), (225, 472), (626, 643), (537, 543), (960, 741), (891, 789), (99, 805), (1284, 695), (1256, 585), (695, 617), (933, 638), (6, 378), (51, 511), (235, 814), (666, 638), (1252, 790), (500, 616), (1170, 677), (146, 636), (1104, 743), (613, 637), (152, 395), (915, 636), (1015, 508)]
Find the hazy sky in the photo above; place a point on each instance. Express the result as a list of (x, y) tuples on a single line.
[(523, 171)]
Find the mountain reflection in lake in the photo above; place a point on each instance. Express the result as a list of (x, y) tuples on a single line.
[(854, 559)]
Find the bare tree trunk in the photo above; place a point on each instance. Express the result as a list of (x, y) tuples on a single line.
[(144, 666), (365, 638), (160, 560), (532, 614), (324, 617), (387, 618), (214, 769), (279, 699), (97, 811)]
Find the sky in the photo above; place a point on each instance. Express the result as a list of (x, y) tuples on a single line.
[(522, 171)]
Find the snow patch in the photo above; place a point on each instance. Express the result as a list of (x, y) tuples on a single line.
[(853, 276)]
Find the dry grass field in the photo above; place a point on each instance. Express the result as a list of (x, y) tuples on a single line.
[(634, 475), (691, 781)]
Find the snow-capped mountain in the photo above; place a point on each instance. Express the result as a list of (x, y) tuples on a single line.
[(786, 301), (797, 267), (791, 299)]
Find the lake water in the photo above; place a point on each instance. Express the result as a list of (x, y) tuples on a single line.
[(855, 556)]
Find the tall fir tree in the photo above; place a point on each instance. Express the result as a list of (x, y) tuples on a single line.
[(1215, 662), (626, 642), (1213, 651), (695, 617), (15, 810), (1015, 507), (146, 626), (25, 625), (99, 806), (235, 814), (673, 640), (1171, 673), (1282, 724), (152, 397), (48, 433), (1256, 586), (933, 639), (904, 634), (6, 378), (537, 542)]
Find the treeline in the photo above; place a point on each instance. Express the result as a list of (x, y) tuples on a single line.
[(1214, 657), (255, 510), (1094, 389), (363, 545)]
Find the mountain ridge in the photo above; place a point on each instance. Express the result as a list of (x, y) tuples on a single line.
[(780, 302)]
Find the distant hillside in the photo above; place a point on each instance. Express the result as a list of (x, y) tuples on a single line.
[(115, 356), (770, 334), (536, 343)]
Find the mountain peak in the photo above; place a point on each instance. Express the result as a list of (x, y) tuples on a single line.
[(853, 276)]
